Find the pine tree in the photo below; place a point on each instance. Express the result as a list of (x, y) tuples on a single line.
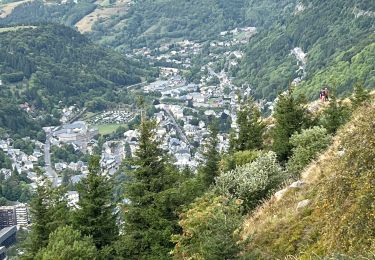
[(211, 158), (49, 211), (150, 216), (335, 115), (41, 217), (290, 115), (250, 126), (361, 95), (95, 214)]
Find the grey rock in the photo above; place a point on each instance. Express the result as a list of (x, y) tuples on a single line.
[(297, 184), (303, 204)]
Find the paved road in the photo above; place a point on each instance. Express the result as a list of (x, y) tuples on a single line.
[(47, 159), (181, 133)]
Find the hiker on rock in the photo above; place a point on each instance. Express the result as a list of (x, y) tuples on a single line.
[(326, 94), (322, 95)]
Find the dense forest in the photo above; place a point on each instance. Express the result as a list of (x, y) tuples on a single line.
[(38, 12), (338, 43), (47, 64), (151, 23)]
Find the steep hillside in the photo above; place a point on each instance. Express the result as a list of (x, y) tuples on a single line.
[(49, 64), (134, 23), (151, 23), (37, 11), (337, 37), (330, 212)]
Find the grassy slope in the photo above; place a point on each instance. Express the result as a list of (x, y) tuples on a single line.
[(340, 217)]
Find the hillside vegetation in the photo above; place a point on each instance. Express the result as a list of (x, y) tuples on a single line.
[(151, 23), (37, 11), (331, 211), (53, 63), (338, 43)]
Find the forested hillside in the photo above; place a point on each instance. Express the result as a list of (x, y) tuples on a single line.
[(38, 11), (52, 63), (337, 36), (151, 23)]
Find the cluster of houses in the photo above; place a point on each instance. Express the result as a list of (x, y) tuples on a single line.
[(238, 36), (21, 161), (113, 154)]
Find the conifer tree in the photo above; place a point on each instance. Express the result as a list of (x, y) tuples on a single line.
[(95, 214), (250, 126), (41, 217), (335, 115), (290, 115), (211, 158), (361, 95), (150, 216), (48, 212)]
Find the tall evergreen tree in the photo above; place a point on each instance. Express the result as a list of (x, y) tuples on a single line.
[(41, 217), (360, 96), (211, 158), (150, 216), (290, 115), (250, 126), (48, 212), (335, 115), (95, 214)]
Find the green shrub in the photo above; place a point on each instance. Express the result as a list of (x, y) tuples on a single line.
[(252, 182), (307, 145)]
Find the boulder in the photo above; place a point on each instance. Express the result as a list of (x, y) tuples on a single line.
[(297, 184), (280, 194), (303, 204)]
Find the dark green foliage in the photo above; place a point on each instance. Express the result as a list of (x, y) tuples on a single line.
[(16, 187), (5, 162), (24, 145), (149, 23), (41, 217), (48, 212), (150, 216), (360, 95), (60, 64), (290, 115), (16, 121), (209, 168), (250, 126), (66, 153), (66, 244), (95, 216), (329, 32), (40, 12), (335, 115)]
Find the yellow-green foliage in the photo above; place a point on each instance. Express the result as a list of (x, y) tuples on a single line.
[(230, 162), (209, 229), (340, 218)]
